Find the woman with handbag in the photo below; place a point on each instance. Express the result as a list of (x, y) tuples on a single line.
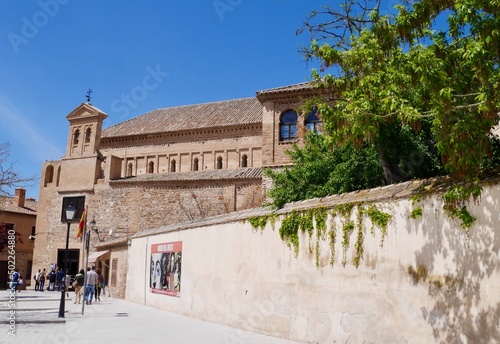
[(78, 284)]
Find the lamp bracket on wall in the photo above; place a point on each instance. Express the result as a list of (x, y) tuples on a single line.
[(93, 227)]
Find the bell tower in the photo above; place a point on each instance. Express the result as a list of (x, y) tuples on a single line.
[(82, 165), (85, 126)]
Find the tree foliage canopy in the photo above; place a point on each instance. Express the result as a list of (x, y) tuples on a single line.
[(319, 171), (419, 83), (429, 60)]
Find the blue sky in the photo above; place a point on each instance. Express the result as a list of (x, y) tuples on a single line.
[(136, 57)]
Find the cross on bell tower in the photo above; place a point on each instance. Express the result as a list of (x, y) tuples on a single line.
[(89, 92)]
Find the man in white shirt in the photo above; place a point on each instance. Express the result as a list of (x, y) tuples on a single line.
[(90, 284), (37, 280)]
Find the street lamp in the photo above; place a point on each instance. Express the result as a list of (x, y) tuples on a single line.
[(96, 230), (70, 215)]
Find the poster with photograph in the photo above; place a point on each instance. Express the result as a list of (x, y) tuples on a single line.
[(166, 262)]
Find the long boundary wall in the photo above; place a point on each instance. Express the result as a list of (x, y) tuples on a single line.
[(426, 281)]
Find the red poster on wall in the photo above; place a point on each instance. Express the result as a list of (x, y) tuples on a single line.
[(165, 267)]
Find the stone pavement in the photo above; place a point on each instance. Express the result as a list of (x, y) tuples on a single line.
[(108, 321)]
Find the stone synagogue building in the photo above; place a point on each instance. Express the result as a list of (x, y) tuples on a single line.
[(173, 201), (170, 165)]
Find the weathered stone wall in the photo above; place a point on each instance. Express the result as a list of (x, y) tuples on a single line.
[(134, 208), (420, 280), (248, 196)]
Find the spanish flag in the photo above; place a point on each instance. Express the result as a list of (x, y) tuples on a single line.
[(81, 224)]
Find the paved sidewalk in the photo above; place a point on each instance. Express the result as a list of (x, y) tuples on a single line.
[(109, 321)]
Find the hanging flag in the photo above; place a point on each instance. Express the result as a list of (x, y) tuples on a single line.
[(81, 224)]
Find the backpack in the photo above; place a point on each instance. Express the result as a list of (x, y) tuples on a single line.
[(79, 279), (34, 277)]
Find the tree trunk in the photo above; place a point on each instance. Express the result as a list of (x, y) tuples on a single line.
[(391, 173)]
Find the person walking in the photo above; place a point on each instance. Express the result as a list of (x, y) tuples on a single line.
[(41, 279), (20, 283), (90, 284), (67, 281), (37, 280), (52, 280), (59, 279), (78, 284), (99, 285), (15, 279)]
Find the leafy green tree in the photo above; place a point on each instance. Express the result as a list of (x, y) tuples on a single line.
[(318, 171), (426, 71), (415, 93)]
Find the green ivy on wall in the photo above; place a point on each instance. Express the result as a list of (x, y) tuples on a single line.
[(380, 219), (347, 229), (454, 203), (316, 218), (454, 200), (320, 215), (416, 213), (289, 230), (258, 222)]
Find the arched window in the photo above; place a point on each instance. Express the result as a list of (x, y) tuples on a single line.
[(129, 169), (195, 164), (312, 122), (244, 160), (172, 166), (87, 135), (76, 136), (49, 174), (219, 163), (288, 125), (151, 168)]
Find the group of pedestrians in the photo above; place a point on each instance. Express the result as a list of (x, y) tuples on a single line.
[(40, 279), (91, 285), (56, 279)]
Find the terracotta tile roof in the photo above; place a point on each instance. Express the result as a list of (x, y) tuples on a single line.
[(7, 204), (182, 118), (207, 175), (304, 86), (304, 89)]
